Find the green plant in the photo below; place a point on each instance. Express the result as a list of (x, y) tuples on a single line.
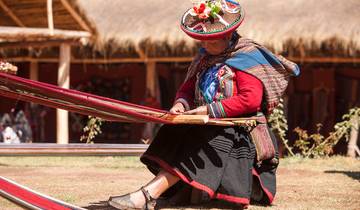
[(278, 124), (316, 145), (92, 128)]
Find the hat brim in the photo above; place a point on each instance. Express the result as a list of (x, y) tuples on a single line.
[(214, 34)]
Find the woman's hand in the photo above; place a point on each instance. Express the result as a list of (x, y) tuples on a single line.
[(201, 110), (178, 108)]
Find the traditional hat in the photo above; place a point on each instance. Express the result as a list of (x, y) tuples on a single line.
[(212, 19)]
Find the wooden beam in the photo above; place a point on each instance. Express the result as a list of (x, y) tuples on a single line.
[(62, 116), (166, 60), (103, 61), (11, 14), (50, 17), (76, 16), (37, 44), (39, 34), (324, 59), (45, 149)]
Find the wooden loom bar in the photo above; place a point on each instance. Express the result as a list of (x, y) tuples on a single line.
[(177, 119), (84, 101), (99, 106)]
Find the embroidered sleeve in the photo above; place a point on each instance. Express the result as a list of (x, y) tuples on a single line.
[(246, 101), (185, 94)]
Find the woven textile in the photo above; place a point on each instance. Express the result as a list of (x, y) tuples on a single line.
[(246, 55)]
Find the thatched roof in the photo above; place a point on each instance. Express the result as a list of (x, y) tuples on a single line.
[(24, 24), (290, 27), (150, 25), (33, 13)]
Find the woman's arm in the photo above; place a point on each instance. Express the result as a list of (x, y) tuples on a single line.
[(185, 94)]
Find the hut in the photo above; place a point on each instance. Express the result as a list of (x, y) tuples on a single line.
[(140, 49), (27, 27)]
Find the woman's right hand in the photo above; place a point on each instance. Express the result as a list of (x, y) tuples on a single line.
[(178, 108)]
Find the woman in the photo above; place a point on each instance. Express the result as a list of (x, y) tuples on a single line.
[(230, 77)]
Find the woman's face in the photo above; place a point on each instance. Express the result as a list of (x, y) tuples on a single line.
[(215, 47)]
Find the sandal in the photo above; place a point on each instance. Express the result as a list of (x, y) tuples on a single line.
[(124, 202)]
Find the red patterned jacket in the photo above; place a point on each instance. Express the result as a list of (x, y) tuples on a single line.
[(239, 93)]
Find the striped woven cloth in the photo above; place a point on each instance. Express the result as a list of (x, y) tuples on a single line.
[(246, 55), (273, 70)]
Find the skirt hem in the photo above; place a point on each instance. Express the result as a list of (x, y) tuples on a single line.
[(197, 185), (267, 192)]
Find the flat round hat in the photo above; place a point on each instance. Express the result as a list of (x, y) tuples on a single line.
[(212, 19)]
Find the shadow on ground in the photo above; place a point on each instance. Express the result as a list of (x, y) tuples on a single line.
[(102, 205), (99, 205), (352, 174)]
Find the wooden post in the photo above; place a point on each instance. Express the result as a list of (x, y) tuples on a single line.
[(34, 70), (354, 135), (62, 116), (151, 78), (34, 74), (50, 16)]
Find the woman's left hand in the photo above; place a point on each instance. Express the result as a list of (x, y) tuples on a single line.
[(201, 110)]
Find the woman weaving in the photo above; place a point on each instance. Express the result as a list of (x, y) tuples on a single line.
[(230, 77)]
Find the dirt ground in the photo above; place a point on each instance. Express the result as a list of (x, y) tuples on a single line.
[(330, 183)]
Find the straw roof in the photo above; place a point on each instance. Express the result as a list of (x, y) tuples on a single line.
[(299, 27), (314, 25), (24, 24), (152, 26), (33, 13)]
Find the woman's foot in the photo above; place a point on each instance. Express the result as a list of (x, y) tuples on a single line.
[(140, 199)]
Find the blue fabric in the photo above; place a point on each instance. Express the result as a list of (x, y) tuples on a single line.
[(245, 60), (209, 83), (233, 2), (202, 51)]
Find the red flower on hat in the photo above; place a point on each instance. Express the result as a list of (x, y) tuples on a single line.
[(201, 11), (201, 8)]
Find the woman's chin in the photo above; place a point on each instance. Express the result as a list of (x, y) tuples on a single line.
[(214, 52)]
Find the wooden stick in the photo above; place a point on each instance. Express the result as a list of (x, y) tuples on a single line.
[(11, 14), (38, 44), (50, 17), (186, 119), (76, 16), (39, 34)]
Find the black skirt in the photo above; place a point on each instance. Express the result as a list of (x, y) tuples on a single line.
[(217, 160)]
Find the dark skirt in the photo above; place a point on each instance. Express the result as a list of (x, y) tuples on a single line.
[(217, 160)]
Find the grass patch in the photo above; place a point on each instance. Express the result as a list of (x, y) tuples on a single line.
[(320, 164), (73, 161), (323, 183)]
